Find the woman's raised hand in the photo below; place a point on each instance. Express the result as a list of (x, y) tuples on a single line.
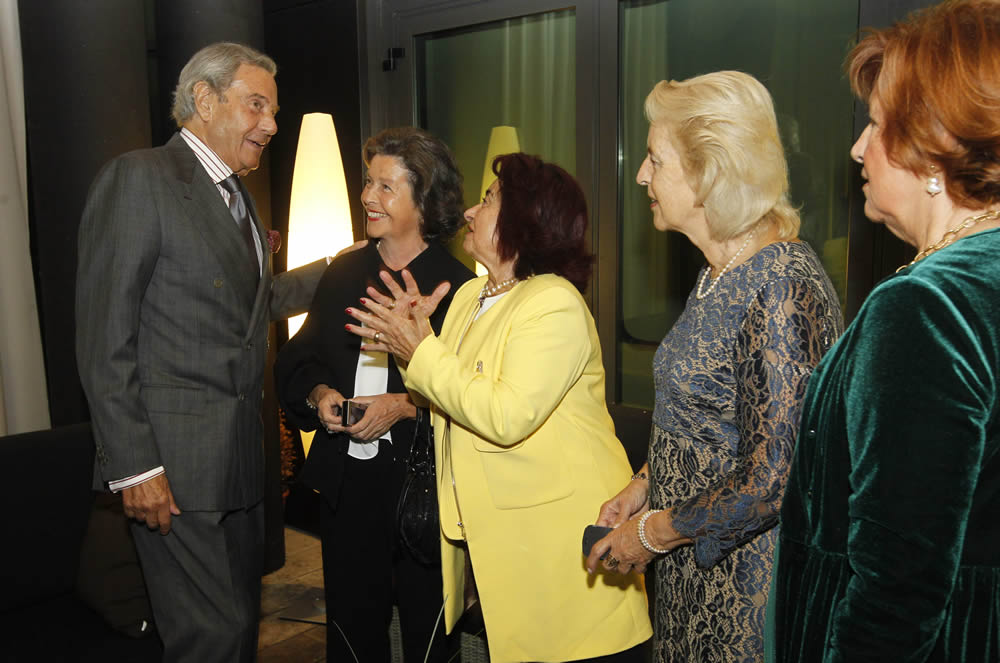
[(397, 322)]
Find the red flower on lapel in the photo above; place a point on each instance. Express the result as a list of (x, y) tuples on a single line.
[(274, 240)]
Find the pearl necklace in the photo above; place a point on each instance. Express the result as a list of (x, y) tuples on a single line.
[(701, 282), (489, 291), (951, 235)]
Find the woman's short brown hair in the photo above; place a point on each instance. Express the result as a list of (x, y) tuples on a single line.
[(936, 76), (433, 176)]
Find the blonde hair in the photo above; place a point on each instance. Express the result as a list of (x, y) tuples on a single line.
[(724, 129)]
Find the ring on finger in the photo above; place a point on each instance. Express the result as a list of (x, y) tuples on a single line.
[(392, 304), (375, 337), (611, 561)]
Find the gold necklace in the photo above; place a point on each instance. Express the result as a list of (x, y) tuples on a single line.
[(951, 235)]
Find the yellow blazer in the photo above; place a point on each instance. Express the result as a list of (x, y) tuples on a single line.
[(533, 454)]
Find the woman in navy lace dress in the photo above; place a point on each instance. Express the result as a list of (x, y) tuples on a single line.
[(730, 374)]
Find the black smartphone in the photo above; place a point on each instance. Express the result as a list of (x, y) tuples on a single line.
[(352, 412), (591, 535)]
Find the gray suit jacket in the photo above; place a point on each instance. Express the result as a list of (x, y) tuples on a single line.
[(172, 331)]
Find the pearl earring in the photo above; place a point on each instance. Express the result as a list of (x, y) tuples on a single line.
[(933, 186)]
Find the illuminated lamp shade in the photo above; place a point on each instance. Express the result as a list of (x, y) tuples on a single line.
[(503, 140), (319, 216)]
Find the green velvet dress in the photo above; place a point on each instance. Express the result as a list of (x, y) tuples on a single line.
[(890, 527)]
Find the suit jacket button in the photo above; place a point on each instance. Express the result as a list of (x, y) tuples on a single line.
[(217, 283), (811, 433), (242, 396)]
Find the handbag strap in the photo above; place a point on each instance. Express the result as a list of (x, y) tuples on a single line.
[(421, 449)]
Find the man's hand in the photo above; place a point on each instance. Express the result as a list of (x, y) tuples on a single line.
[(151, 502), (353, 247)]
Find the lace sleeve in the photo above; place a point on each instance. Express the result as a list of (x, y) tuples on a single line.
[(786, 331)]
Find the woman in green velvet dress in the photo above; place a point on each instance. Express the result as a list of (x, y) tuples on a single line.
[(890, 528)]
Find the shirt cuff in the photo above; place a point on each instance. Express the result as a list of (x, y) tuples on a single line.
[(119, 485)]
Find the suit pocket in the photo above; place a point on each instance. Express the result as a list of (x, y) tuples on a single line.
[(530, 475), (172, 400)]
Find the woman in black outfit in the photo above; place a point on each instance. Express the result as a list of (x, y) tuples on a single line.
[(413, 204)]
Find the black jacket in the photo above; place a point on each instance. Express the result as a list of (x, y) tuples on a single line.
[(323, 352)]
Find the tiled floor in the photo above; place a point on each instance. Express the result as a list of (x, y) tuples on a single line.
[(292, 598), (292, 624)]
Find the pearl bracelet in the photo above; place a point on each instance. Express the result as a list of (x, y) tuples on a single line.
[(642, 533), (310, 405), (640, 475)]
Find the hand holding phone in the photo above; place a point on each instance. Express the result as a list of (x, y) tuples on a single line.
[(352, 412), (591, 535)]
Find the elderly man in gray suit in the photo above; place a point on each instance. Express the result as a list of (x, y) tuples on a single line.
[(174, 297)]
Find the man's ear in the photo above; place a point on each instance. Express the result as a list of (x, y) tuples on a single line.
[(204, 100)]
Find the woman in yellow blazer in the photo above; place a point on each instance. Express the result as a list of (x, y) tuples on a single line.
[(524, 444)]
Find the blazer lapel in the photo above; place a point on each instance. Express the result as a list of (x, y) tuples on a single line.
[(205, 206), (261, 300)]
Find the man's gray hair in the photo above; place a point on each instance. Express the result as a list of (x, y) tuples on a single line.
[(216, 64)]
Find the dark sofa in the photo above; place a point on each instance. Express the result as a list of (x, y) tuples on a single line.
[(47, 502)]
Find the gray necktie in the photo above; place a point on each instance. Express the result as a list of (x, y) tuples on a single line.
[(238, 208)]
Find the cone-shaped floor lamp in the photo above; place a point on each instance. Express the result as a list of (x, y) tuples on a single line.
[(319, 216)]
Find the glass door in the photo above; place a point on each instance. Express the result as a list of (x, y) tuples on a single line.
[(795, 47), (571, 79), (494, 78), (512, 80)]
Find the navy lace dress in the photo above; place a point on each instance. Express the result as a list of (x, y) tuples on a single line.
[(730, 378)]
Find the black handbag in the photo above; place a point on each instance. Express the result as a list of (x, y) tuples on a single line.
[(417, 509)]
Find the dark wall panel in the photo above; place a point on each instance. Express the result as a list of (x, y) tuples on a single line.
[(316, 47), (182, 28), (87, 100)]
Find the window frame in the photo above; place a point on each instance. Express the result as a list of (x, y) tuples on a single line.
[(873, 253)]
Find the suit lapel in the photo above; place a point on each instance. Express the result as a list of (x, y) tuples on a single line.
[(261, 301), (209, 213)]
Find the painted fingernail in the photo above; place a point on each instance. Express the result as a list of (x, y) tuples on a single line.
[(347, 327), (364, 301), (413, 303)]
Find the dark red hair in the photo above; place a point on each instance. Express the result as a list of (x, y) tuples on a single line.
[(542, 224), (937, 78)]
